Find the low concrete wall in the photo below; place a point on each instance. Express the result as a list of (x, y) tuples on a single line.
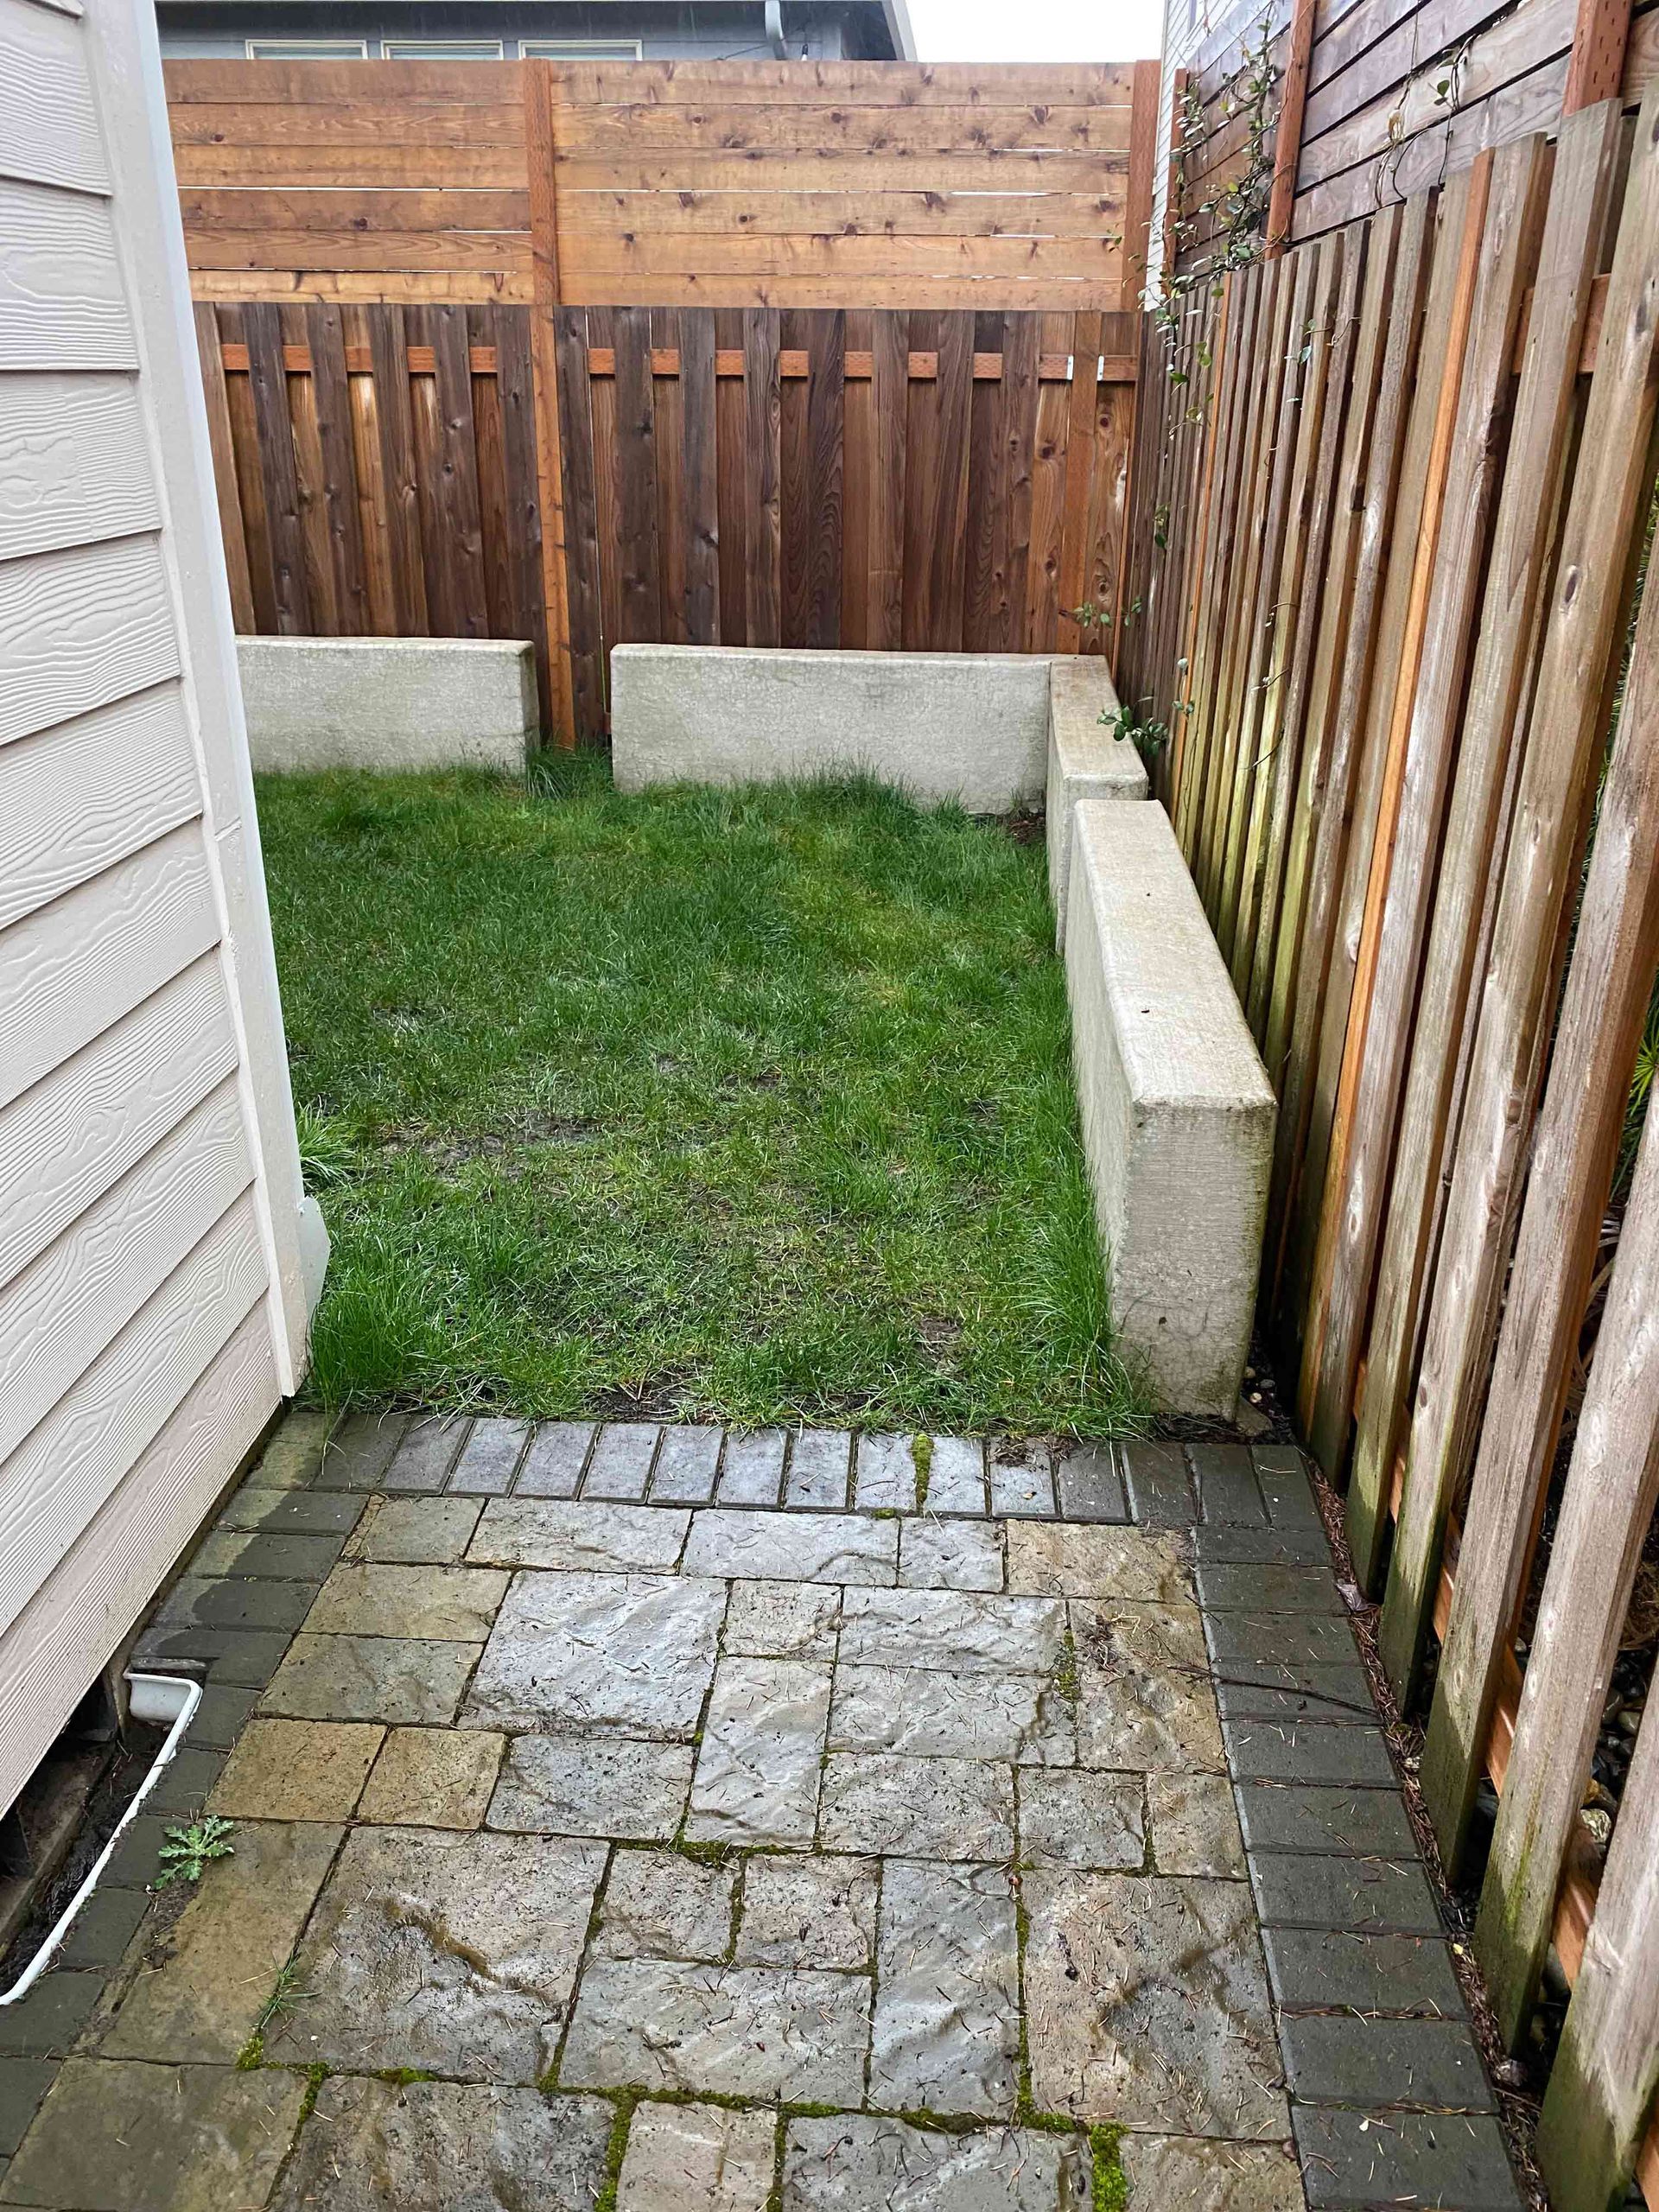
[(971, 726), (388, 702), (1086, 760), (1178, 1114)]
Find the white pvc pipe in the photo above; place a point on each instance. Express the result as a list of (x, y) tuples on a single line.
[(157, 1699)]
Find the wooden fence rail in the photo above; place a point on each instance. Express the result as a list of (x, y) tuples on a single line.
[(942, 482), (737, 354), (1394, 490)]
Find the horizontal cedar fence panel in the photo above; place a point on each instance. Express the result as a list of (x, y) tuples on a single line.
[(952, 483), (716, 185), (1393, 489)]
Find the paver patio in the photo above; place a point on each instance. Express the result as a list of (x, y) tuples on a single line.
[(731, 1824)]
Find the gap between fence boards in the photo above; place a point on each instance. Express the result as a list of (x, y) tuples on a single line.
[(859, 365)]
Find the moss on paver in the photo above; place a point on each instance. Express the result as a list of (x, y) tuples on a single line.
[(754, 1105)]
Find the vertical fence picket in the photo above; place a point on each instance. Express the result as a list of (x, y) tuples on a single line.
[(761, 346), (889, 479), (209, 347), (1557, 779), (1544, 404)]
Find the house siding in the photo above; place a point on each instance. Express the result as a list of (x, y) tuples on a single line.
[(152, 1311), (221, 28)]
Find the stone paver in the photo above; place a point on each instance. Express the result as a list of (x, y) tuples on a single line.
[(1343, 2059), (1277, 1817), (820, 1460), (1022, 1479), (204, 1998), (422, 1531), (1077, 1819), (1194, 1824), (620, 1464), (593, 1785), (552, 1466), (425, 1456), (634, 1652), (452, 1953), (686, 1461), (850, 2164), (1372, 1896), (1090, 1484), (400, 1678), (736, 2031), (132, 2138), (489, 1458), (753, 1470), (1147, 2005), (433, 1777), (1329, 1967), (1144, 1696), (549, 1533), (945, 2033), (714, 1772), (959, 1631), (1455, 2158), (956, 1476), (1177, 2173), (809, 1912), (792, 1548), (950, 1555), (884, 1474), (783, 1620), (918, 1808), (927, 1713), (758, 1768), (696, 2158), (436, 2146), (1058, 1559), (660, 1904), (296, 1771)]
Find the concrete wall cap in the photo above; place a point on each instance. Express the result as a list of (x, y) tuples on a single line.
[(388, 702), (1181, 1032), (965, 727)]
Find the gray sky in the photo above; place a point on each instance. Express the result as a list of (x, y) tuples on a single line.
[(1036, 30)]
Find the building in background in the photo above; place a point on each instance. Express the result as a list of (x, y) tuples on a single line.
[(567, 30)]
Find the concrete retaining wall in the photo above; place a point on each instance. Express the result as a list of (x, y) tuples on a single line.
[(1086, 760), (971, 726), (1178, 1114), (388, 702)]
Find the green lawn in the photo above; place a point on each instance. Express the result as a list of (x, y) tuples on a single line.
[(751, 1105)]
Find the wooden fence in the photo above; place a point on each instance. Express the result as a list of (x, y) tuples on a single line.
[(750, 353), (1395, 488), (1385, 99), (940, 482)]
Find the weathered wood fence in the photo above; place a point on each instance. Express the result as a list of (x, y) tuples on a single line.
[(1387, 96), (748, 353), (944, 482), (1394, 491)]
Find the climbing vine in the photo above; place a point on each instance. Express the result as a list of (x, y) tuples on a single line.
[(1234, 215)]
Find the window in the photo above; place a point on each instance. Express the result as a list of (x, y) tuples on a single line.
[(581, 49), (440, 49), (308, 50)]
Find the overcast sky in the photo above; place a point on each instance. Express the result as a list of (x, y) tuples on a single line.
[(1036, 30)]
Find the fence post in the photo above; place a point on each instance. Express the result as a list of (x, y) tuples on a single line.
[(1143, 157), (540, 92), (1288, 146), (1595, 68)]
